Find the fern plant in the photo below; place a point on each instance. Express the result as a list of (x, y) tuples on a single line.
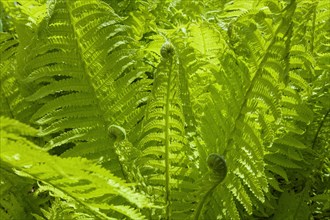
[(164, 109), (88, 187)]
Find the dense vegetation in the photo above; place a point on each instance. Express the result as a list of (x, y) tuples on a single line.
[(145, 109)]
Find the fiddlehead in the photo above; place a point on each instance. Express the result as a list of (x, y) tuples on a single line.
[(167, 50), (126, 152), (117, 132), (217, 165)]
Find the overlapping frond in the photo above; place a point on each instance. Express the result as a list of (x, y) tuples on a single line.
[(165, 161), (92, 188), (85, 74), (10, 97), (261, 91), (58, 69), (208, 41)]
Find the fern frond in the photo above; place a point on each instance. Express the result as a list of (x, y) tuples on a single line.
[(247, 142), (61, 210), (207, 41), (296, 203), (258, 108), (164, 161), (223, 204), (17, 195), (53, 69), (8, 51), (85, 72), (12, 99), (89, 185)]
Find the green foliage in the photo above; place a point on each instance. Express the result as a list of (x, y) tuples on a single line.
[(121, 110), (92, 189)]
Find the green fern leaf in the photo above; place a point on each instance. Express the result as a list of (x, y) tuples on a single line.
[(163, 144), (76, 88), (77, 178), (281, 160), (12, 101)]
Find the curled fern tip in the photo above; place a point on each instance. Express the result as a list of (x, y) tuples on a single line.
[(117, 132), (218, 165), (167, 50)]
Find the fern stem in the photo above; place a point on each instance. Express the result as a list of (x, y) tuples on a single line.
[(9, 107), (319, 128), (167, 143), (201, 203), (313, 30), (87, 208)]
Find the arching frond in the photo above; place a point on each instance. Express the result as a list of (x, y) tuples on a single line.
[(89, 186), (83, 82), (164, 163)]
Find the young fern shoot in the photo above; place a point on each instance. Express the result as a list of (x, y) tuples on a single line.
[(218, 167)]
